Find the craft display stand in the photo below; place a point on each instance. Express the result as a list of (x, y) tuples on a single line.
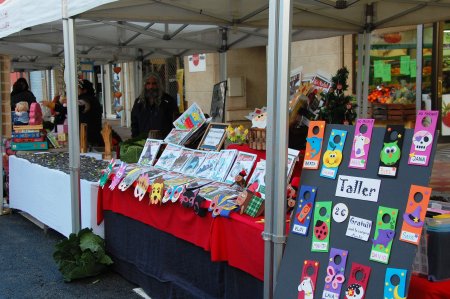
[(393, 194)]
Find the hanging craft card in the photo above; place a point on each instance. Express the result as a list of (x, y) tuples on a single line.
[(361, 143), (314, 140), (414, 216), (120, 173), (305, 203), (244, 162), (357, 282), (221, 205), (397, 291), (384, 234), (106, 173), (335, 273), (131, 177), (169, 156), (193, 162), (308, 280), (422, 141), (322, 226), (332, 157), (148, 154), (391, 152), (141, 186)]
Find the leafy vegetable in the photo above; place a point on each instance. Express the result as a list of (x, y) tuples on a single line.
[(81, 255)]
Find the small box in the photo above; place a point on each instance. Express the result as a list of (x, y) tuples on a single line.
[(62, 129), (62, 137)]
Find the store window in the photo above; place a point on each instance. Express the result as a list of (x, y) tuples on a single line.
[(392, 77)]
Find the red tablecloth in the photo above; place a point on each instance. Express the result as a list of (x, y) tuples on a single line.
[(421, 288)]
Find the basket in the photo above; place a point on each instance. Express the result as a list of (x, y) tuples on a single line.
[(257, 139)]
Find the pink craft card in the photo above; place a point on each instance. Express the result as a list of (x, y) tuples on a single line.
[(423, 137), (361, 143)]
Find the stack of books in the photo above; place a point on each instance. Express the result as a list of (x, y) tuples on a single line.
[(28, 138)]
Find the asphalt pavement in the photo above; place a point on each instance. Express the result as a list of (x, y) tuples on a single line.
[(27, 268)]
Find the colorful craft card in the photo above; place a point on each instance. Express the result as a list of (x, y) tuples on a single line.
[(332, 157), (322, 226), (384, 234), (157, 191), (357, 282), (106, 173), (335, 273), (187, 198), (141, 186), (173, 193), (305, 200), (423, 137), (314, 140), (414, 216), (148, 154), (221, 205), (358, 188), (397, 291), (361, 143), (169, 156), (358, 228), (391, 152), (118, 176), (131, 177), (191, 119), (308, 280)]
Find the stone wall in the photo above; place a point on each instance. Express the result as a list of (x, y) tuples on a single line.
[(5, 87)]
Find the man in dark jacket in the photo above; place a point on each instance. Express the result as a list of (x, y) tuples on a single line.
[(90, 112), (153, 109)]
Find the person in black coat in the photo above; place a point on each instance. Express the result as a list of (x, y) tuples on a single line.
[(90, 112), (21, 93), (153, 109)]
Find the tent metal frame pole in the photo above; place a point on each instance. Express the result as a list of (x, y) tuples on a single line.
[(360, 74), (1, 147), (102, 75), (366, 73), (70, 77), (280, 21), (419, 63), (223, 71)]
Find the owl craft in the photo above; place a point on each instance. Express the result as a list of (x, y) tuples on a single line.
[(391, 151)]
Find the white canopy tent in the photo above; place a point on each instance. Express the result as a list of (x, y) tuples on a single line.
[(252, 18)]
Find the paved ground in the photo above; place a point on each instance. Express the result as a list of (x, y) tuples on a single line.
[(27, 268)]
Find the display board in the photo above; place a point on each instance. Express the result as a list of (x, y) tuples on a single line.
[(356, 254)]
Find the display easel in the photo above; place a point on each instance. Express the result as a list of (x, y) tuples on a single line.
[(393, 193)]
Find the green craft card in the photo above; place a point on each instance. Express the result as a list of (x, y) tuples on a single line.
[(322, 226), (384, 234)]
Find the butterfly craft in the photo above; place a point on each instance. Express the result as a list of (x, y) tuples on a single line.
[(119, 176), (173, 193), (222, 205), (334, 278)]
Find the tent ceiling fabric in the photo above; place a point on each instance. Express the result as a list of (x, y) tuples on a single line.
[(126, 30)]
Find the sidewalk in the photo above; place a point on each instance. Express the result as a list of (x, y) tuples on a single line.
[(27, 268)]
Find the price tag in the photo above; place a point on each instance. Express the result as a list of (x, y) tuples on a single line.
[(340, 212)]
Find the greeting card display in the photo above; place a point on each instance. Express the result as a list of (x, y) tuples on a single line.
[(184, 156), (414, 216), (357, 282), (422, 142), (392, 151), (206, 168), (322, 226), (384, 234), (169, 156), (314, 140), (305, 202), (361, 143), (149, 152), (193, 162), (223, 165), (332, 158), (258, 178), (335, 273), (398, 291), (308, 280), (177, 136), (244, 162)]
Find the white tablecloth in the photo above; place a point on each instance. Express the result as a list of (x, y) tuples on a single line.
[(44, 193)]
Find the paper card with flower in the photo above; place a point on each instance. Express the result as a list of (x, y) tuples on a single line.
[(335, 273)]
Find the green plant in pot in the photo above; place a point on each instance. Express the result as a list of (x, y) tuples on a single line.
[(81, 255)]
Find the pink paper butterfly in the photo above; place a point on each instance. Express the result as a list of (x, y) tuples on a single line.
[(334, 278)]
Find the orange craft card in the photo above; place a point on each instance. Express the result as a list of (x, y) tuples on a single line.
[(314, 140)]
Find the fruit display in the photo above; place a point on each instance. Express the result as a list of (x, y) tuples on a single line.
[(446, 114), (393, 95)]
